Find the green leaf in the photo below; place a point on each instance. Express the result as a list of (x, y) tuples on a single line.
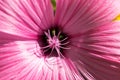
[(54, 4)]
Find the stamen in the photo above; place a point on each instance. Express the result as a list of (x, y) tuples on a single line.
[(59, 53), (53, 32), (51, 52), (65, 43), (54, 42), (64, 39), (48, 34), (65, 47), (45, 47), (59, 34), (46, 50)]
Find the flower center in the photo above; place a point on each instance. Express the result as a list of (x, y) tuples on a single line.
[(54, 42)]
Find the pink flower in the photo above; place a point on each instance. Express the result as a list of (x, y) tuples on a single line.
[(79, 42)]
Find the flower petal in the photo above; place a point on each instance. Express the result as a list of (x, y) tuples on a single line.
[(15, 57), (99, 50), (76, 16), (18, 61), (25, 18)]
